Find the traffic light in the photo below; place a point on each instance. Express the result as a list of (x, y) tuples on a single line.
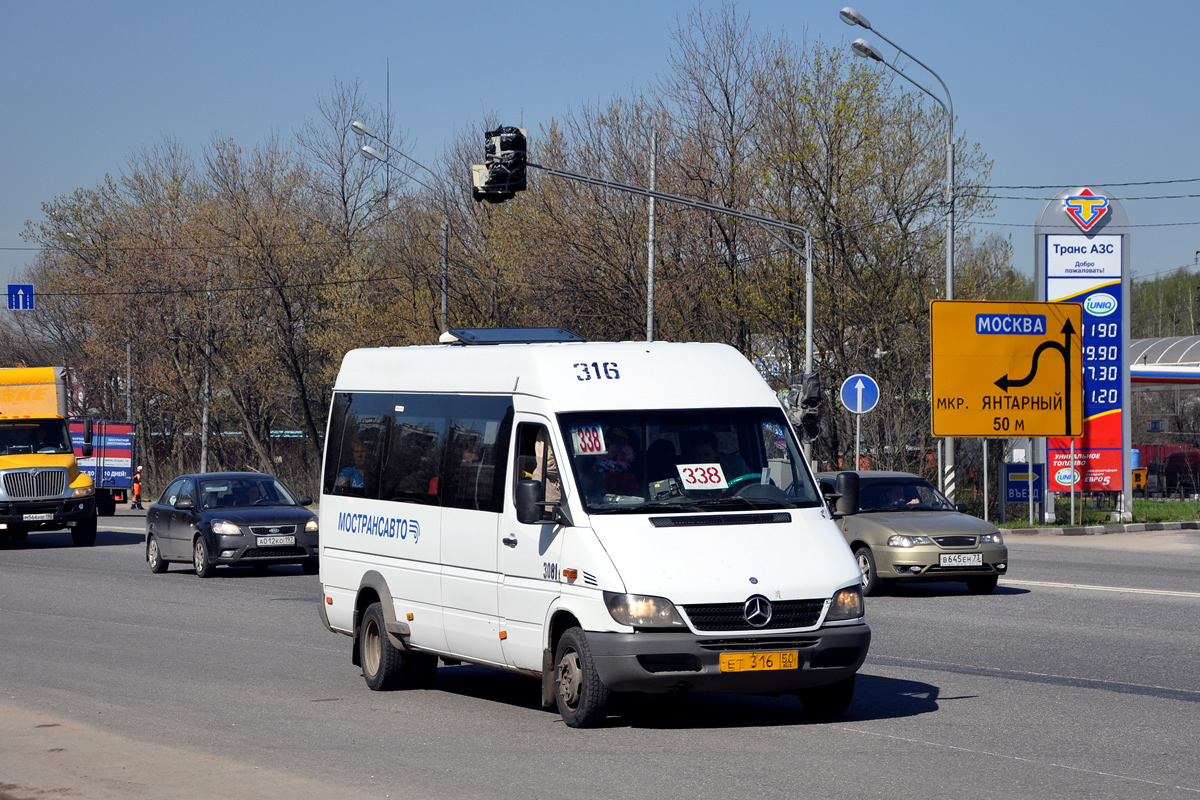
[(502, 173)]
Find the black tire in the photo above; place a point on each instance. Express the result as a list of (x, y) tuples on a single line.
[(582, 698), (154, 556), (830, 700), (984, 585), (106, 505), (84, 532), (872, 584), (200, 560), (382, 664), (311, 567)]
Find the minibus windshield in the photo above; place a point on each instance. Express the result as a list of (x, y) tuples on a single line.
[(690, 459)]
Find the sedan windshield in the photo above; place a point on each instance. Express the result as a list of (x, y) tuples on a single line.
[(696, 460), (244, 492), (901, 495)]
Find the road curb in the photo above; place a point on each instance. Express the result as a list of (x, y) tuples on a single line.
[(1098, 530)]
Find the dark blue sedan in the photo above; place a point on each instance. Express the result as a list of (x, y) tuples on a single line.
[(236, 518)]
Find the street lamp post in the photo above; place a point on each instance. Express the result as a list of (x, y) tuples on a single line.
[(362, 130), (865, 49)]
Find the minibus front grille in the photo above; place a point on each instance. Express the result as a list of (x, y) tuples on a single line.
[(758, 643), (732, 616), (721, 519), (20, 484)]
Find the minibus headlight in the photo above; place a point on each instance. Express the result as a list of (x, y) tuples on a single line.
[(225, 528), (641, 611), (847, 604), (84, 491)]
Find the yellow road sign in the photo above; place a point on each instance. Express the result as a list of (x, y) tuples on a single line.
[(1006, 369)]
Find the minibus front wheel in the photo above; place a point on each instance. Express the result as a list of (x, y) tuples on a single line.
[(582, 697)]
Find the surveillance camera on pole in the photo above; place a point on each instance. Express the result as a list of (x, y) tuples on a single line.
[(502, 173)]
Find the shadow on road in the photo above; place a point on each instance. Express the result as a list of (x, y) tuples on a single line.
[(943, 589), (875, 697), (53, 540)]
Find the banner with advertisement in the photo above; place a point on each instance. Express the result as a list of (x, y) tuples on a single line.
[(1087, 269)]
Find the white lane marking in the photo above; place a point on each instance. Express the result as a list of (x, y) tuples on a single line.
[(1100, 588)]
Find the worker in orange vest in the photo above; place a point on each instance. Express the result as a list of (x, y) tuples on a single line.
[(137, 489)]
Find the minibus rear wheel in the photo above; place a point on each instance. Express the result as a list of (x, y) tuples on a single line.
[(582, 698), (382, 664)]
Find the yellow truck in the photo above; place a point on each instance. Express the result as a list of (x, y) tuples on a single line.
[(41, 486)]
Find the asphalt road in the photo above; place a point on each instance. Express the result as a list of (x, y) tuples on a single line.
[(1079, 677)]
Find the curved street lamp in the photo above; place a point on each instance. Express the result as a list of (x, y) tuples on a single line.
[(367, 150), (865, 49)]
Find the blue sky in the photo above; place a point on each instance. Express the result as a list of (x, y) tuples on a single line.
[(1057, 93)]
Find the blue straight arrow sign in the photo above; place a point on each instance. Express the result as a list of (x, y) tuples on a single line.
[(20, 296), (860, 393)]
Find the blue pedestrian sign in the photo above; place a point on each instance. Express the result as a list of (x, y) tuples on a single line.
[(860, 393), (20, 296), (1016, 482)]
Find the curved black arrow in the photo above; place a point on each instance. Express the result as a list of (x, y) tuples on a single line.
[(1065, 348)]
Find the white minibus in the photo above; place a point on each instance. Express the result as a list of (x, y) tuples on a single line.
[(608, 517)]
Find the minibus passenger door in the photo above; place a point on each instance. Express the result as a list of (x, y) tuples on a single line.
[(529, 552)]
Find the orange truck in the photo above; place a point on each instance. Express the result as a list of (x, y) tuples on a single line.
[(41, 486)]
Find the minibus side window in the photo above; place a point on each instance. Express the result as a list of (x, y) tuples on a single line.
[(333, 441), (476, 450), (355, 471), (412, 469), (536, 461)]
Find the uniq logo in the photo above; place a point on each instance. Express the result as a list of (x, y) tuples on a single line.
[(1100, 305), (1067, 476)]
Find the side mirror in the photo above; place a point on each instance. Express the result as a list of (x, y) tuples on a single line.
[(304, 500), (87, 431), (848, 489), (185, 504), (960, 508), (85, 451), (530, 506)]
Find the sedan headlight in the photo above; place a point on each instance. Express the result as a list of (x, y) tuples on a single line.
[(847, 604), (991, 538), (224, 527), (908, 541), (640, 611), (311, 525)]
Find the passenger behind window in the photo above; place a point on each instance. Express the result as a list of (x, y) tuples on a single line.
[(535, 461), (618, 466), (355, 478), (700, 447)]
